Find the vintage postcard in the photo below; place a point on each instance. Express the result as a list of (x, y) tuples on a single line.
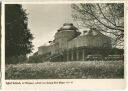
[(64, 44)]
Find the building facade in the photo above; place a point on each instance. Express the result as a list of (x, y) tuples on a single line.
[(69, 38)]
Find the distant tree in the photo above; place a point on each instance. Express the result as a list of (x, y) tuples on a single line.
[(18, 38), (107, 18)]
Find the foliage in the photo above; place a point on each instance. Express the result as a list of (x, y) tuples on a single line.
[(104, 52), (17, 35), (35, 58), (108, 18), (16, 59), (66, 70)]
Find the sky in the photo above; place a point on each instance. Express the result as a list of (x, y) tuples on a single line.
[(45, 19)]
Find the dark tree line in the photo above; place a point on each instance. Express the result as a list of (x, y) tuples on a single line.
[(18, 38)]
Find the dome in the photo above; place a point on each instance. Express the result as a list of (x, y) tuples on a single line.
[(68, 26)]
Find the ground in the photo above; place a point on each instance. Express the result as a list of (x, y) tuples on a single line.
[(67, 70)]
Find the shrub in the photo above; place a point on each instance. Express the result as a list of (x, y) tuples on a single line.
[(16, 59), (66, 70)]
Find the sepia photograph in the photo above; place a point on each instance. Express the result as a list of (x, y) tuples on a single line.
[(64, 41)]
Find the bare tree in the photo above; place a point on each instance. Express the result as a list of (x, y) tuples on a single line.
[(108, 18)]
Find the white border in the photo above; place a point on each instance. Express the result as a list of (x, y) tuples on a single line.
[(61, 1), (2, 44), (78, 83), (49, 1)]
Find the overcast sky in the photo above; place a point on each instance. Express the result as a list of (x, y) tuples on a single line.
[(45, 19)]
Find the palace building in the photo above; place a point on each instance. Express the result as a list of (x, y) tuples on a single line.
[(69, 38)]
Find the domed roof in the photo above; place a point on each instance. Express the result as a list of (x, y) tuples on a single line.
[(68, 26)]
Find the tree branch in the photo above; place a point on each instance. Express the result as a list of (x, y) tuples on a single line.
[(99, 20), (105, 16)]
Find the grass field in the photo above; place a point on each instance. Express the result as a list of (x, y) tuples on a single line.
[(66, 70)]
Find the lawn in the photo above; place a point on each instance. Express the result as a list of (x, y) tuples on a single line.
[(67, 70)]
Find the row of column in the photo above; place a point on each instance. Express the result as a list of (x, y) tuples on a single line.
[(72, 56)]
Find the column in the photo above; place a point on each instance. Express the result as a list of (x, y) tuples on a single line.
[(67, 56), (72, 55), (77, 55), (83, 55)]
